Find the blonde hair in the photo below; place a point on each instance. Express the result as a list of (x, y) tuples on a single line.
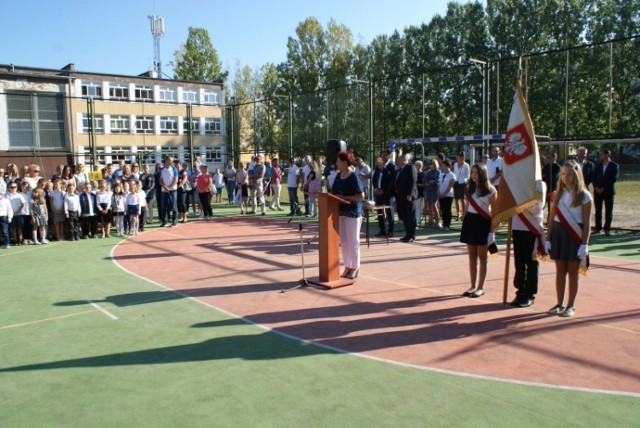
[(578, 185)]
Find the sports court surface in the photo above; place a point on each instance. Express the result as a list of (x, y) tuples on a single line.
[(189, 324)]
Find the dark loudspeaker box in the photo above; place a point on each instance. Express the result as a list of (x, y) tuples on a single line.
[(331, 153)]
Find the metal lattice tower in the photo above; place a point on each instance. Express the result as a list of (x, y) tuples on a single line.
[(157, 30)]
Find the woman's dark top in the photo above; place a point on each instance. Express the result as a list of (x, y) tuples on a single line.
[(349, 186)]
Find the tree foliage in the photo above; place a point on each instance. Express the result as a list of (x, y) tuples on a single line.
[(197, 59), (426, 84)]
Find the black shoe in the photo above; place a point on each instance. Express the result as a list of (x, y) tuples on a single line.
[(381, 234), (163, 224), (516, 302), (390, 235), (525, 303), (408, 239)]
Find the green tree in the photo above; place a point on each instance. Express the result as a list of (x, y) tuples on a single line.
[(197, 59)]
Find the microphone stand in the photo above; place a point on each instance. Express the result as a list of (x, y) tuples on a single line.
[(302, 283)]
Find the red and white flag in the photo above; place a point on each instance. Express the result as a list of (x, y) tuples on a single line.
[(521, 179)]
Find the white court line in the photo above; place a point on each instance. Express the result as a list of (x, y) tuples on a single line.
[(370, 357), (103, 310)]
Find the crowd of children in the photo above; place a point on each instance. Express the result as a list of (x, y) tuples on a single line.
[(35, 210)]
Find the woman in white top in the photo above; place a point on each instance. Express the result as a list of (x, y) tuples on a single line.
[(476, 227), (242, 187), (132, 202), (572, 205), (461, 170), (80, 176)]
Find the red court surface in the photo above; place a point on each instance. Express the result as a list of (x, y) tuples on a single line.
[(406, 305)]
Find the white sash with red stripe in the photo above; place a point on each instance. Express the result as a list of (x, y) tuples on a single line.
[(475, 206), (534, 227), (573, 229)]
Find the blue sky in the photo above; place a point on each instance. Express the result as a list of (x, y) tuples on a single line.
[(113, 36)]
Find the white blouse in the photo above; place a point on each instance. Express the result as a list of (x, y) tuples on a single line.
[(482, 201), (576, 212)]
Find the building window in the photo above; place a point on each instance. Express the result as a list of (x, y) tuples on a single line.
[(168, 124), (144, 125), (36, 120), (211, 97), (91, 89), (189, 96), (120, 124), (144, 93), (212, 154), (119, 153), (100, 157), (118, 92), (98, 123), (167, 95), (195, 125), (212, 126)]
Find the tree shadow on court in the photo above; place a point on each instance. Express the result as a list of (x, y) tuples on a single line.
[(145, 297), (252, 347)]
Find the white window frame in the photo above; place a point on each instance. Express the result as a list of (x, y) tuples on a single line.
[(211, 97), (123, 119), (212, 154), (163, 91), (140, 127), (169, 125), (190, 96), (195, 121), (212, 126), (91, 89), (143, 93), (118, 91), (99, 123)]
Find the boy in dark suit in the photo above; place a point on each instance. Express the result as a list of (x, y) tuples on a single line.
[(406, 192)]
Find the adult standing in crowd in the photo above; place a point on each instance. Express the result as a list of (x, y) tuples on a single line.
[(384, 180), (418, 202), (276, 185), (169, 185), (586, 166), (184, 187), (292, 187), (461, 170), (204, 183), (406, 192), (528, 244), (604, 188), (306, 170), (551, 175), (157, 178), (494, 167), (476, 227), (364, 172), (568, 232), (148, 187), (256, 180), (230, 176), (348, 186)]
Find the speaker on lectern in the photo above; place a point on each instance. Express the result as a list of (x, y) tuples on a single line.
[(331, 152)]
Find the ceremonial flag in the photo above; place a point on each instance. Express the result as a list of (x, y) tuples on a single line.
[(521, 180)]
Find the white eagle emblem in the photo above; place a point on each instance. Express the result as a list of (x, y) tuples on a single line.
[(516, 146)]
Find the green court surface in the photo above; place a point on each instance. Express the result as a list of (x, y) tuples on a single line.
[(169, 361)]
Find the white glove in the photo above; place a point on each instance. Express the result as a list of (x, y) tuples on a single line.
[(491, 237), (583, 251), (547, 247)]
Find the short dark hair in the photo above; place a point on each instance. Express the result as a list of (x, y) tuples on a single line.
[(605, 151), (346, 157)]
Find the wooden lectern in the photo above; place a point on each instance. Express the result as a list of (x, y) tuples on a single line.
[(329, 239)]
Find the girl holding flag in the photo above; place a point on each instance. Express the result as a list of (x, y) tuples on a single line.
[(569, 228)]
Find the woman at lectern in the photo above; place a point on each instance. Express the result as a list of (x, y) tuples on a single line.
[(347, 185)]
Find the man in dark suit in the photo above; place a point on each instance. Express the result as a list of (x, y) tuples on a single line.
[(406, 192), (383, 185), (604, 188), (586, 166)]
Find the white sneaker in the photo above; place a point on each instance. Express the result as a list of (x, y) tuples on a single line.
[(36, 243), (568, 312), (45, 241), (556, 310)]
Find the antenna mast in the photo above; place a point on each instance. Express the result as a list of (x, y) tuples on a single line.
[(157, 30)]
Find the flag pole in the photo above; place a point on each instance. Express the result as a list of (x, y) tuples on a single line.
[(507, 259)]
